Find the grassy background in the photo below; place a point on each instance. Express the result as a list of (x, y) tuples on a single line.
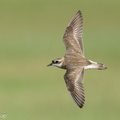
[(31, 36)]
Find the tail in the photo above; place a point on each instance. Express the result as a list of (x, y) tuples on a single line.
[(99, 66)]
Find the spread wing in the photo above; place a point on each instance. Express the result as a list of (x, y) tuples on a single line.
[(73, 35), (74, 84)]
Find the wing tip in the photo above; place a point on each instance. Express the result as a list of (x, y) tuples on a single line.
[(79, 100), (81, 105), (79, 12)]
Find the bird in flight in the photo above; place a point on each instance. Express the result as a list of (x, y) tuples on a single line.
[(74, 61)]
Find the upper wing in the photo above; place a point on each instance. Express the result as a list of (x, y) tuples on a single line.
[(74, 84), (73, 34)]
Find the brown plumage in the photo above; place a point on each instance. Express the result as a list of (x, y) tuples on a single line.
[(74, 82), (74, 61), (73, 34)]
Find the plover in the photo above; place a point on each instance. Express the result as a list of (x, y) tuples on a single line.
[(74, 60)]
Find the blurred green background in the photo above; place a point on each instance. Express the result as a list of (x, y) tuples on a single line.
[(31, 34)]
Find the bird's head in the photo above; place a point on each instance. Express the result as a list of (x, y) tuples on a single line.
[(57, 62)]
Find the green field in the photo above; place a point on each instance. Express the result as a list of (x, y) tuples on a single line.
[(31, 36)]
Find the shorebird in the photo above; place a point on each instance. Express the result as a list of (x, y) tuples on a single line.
[(74, 60)]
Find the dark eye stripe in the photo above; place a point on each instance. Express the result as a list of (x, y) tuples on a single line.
[(56, 62)]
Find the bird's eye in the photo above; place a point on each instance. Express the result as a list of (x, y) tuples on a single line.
[(56, 61), (52, 61)]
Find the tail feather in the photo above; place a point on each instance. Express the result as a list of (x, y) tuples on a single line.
[(101, 66), (93, 64)]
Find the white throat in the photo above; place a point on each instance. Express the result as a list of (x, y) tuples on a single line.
[(58, 65)]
